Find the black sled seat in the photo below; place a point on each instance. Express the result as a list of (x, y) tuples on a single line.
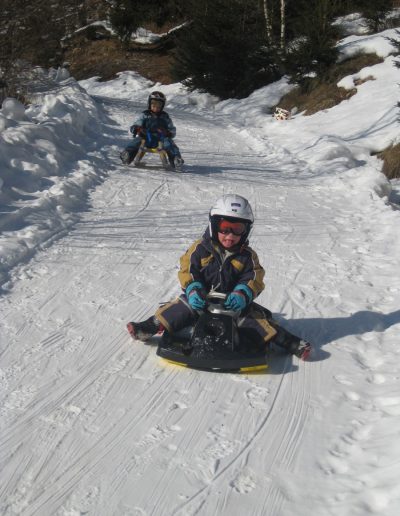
[(213, 343)]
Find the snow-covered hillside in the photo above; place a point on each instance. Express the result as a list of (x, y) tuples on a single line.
[(94, 423)]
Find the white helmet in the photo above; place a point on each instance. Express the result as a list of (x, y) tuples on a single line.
[(231, 207)]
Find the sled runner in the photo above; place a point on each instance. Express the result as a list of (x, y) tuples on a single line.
[(213, 343)]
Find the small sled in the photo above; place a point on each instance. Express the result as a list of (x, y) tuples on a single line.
[(213, 343), (154, 145), (143, 149)]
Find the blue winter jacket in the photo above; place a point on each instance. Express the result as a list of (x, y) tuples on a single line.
[(154, 122), (205, 261)]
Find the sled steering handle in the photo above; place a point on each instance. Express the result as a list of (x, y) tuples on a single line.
[(216, 295), (217, 307)]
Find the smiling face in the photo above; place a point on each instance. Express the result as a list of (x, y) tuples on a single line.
[(155, 106), (230, 232), (228, 240)]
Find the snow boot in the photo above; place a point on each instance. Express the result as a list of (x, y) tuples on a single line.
[(145, 330), (171, 160), (127, 156), (178, 163), (300, 349), (292, 344)]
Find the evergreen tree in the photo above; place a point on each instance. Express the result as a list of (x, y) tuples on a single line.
[(222, 51), (375, 12), (162, 11), (125, 18), (396, 43), (312, 49)]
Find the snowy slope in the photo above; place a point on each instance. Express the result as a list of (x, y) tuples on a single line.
[(94, 423)]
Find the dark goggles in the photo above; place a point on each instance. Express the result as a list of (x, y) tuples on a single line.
[(236, 228)]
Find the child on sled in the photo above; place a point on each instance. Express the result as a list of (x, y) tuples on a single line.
[(222, 261), (156, 121)]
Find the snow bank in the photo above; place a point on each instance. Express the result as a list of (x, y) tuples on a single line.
[(126, 86), (371, 44), (45, 173)]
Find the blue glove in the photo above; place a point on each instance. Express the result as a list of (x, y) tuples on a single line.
[(237, 300), (195, 294)]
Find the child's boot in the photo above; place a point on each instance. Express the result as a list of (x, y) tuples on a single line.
[(171, 159), (301, 349), (292, 344), (145, 330), (127, 156), (178, 162)]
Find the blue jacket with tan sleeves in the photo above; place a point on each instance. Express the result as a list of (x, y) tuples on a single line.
[(221, 270)]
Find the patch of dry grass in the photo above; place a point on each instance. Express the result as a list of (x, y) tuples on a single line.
[(318, 94), (105, 58), (391, 161), (323, 96)]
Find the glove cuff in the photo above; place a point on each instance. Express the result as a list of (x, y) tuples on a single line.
[(195, 285), (246, 291)]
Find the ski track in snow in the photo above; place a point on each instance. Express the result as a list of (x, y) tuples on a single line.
[(94, 423)]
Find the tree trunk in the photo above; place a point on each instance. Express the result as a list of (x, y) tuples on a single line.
[(268, 21), (283, 24)]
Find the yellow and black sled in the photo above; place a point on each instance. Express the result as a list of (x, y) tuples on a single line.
[(213, 343)]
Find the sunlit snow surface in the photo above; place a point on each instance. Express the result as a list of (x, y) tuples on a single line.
[(94, 423)]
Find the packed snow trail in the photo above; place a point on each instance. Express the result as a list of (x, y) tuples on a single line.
[(95, 423)]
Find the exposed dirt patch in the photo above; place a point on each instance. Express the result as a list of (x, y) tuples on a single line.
[(105, 58)]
